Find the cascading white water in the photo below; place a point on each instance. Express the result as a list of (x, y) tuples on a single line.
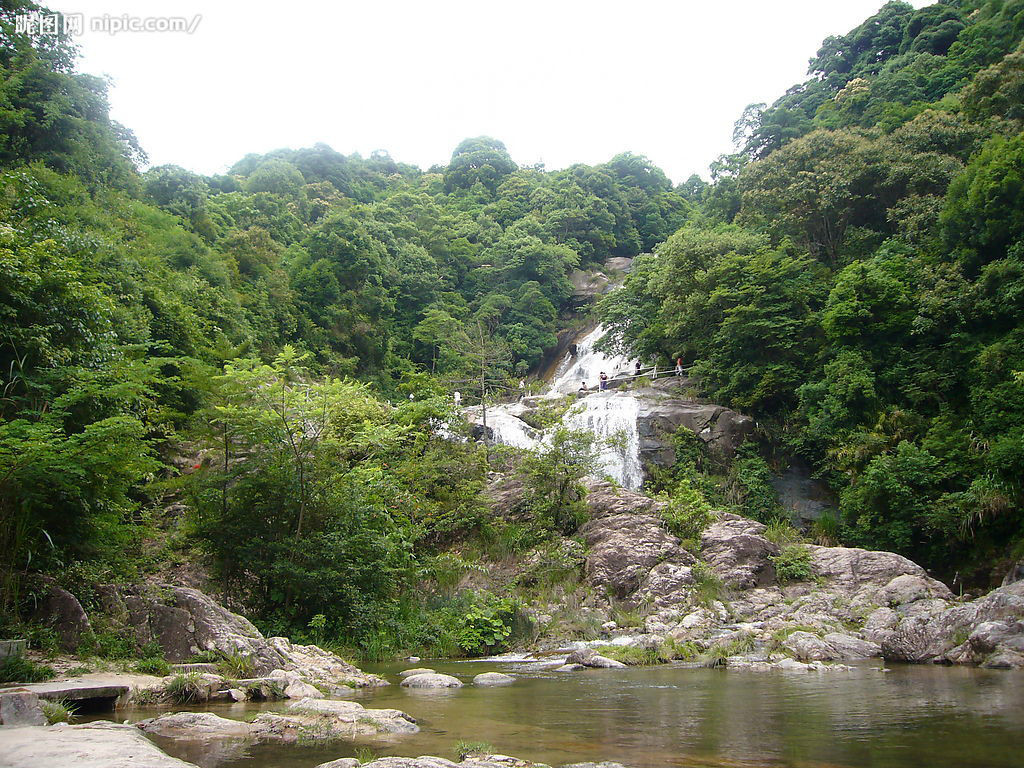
[(611, 417), (506, 427), (586, 365)]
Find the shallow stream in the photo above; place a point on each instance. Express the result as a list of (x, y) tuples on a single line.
[(908, 717)]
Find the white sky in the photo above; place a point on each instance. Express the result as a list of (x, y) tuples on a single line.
[(559, 81)]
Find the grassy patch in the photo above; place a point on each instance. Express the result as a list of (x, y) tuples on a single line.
[(17, 669), (782, 532), (708, 588), (184, 688), (716, 655), (668, 651), (153, 666), (464, 749), (57, 711)]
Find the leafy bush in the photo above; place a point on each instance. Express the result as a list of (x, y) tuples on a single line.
[(793, 563), (108, 644), (17, 669), (487, 626), (749, 485), (687, 512)]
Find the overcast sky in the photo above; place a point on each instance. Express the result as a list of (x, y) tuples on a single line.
[(559, 81)]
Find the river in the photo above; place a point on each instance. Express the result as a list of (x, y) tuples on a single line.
[(908, 717)]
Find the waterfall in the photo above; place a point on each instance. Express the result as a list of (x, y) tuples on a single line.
[(611, 416), (587, 364), (506, 427)]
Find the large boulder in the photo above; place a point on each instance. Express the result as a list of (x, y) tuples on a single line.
[(662, 413), (185, 621), (488, 679), (870, 575), (19, 706), (195, 725), (834, 646), (988, 631), (307, 719), (61, 610), (625, 539), (383, 720), (431, 680), (737, 553)]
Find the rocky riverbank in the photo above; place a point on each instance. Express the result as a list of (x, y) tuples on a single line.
[(723, 594)]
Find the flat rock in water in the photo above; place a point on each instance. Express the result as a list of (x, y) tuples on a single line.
[(101, 744), (417, 671), (603, 662), (431, 680), (194, 725), (493, 678)]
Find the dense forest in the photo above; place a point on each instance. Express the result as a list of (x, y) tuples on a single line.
[(276, 346)]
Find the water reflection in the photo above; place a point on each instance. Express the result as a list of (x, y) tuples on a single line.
[(905, 718)]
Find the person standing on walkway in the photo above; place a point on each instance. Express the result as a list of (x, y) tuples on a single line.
[(679, 366), (637, 371), (603, 378)]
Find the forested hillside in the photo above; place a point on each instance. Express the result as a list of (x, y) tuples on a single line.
[(855, 281), (275, 347)]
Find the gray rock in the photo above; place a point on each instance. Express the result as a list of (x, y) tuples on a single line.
[(603, 662), (195, 725), (807, 647), (1015, 573), (570, 668), (737, 553), (344, 762), (416, 671), (493, 678), (19, 706), (847, 647), (662, 413), (61, 610), (626, 539), (859, 571), (346, 712), (411, 762), (431, 680), (101, 744)]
